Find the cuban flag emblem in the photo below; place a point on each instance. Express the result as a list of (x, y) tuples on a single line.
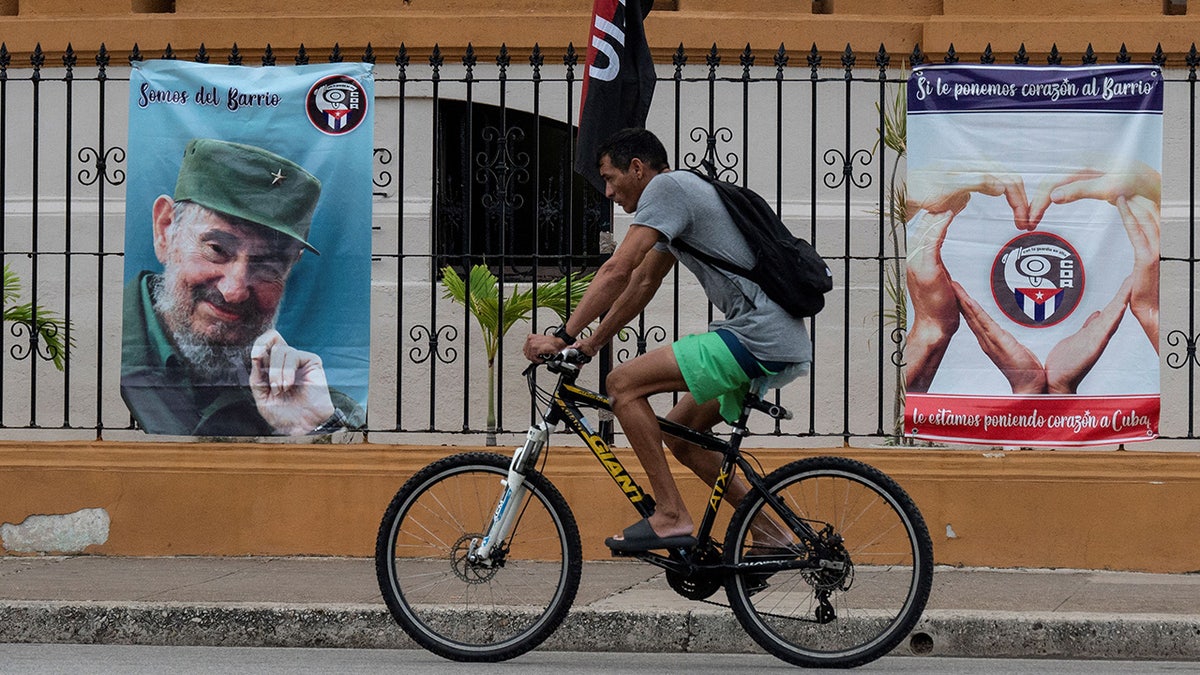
[(337, 104), (1037, 279), (1037, 303)]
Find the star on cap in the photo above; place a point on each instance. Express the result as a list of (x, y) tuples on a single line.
[(277, 177)]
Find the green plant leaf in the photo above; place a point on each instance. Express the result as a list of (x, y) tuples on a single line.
[(12, 286), (485, 301), (553, 294), (51, 328), (895, 122), (481, 295)]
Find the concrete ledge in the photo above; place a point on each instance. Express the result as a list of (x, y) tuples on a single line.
[(1042, 635), (704, 630), (1029, 509), (205, 625)]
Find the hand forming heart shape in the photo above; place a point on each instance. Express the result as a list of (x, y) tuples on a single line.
[(1132, 187)]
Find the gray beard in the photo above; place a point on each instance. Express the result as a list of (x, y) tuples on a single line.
[(208, 362), (214, 364)]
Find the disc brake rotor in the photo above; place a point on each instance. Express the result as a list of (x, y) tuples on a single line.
[(473, 572)]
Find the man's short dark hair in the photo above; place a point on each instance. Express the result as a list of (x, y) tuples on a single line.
[(626, 144)]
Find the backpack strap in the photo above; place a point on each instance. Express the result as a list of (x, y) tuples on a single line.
[(706, 257), (718, 262), (711, 259)]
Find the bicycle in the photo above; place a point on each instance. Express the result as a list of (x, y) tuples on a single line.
[(478, 555)]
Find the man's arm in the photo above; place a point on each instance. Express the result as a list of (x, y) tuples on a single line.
[(1129, 179), (606, 288), (1072, 358), (1141, 220), (642, 286), (939, 190)]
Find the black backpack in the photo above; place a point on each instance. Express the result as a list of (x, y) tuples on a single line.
[(787, 268)]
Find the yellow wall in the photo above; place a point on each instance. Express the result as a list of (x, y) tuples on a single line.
[(1091, 510), (970, 25), (1120, 510)]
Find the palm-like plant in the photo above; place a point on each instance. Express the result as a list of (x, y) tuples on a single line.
[(559, 296), (894, 135), (49, 326)]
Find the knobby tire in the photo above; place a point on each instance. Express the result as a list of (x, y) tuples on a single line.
[(470, 612), (870, 605)]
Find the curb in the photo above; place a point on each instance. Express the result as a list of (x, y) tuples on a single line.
[(939, 633), (1057, 635)]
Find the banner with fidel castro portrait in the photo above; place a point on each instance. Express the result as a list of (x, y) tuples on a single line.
[(259, 325), (1033, 244)]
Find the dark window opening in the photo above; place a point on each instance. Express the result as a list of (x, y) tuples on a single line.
[(508, 197)]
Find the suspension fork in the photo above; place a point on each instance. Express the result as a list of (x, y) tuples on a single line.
[(513, 497)]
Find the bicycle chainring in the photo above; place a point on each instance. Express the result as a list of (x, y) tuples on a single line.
[(702, 582)]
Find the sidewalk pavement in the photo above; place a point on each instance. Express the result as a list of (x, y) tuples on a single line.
[(621, 606)]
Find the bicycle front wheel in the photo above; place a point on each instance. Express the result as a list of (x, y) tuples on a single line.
[(869, 569), (476, 611)]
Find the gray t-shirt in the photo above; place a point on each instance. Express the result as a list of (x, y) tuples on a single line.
[(681, 205)]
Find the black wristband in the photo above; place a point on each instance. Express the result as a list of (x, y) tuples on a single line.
[(336, 422), (563, 335)]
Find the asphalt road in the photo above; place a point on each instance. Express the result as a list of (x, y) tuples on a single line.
[(45, 659)]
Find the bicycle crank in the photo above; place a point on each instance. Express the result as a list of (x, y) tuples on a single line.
[(701, 582)]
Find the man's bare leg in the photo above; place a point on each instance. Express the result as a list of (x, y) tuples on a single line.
[(630, 387), (707, 465)]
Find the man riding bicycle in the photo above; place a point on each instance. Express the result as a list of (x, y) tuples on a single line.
[(757, 343)]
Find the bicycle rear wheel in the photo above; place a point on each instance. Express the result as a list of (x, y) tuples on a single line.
[(476, 611), (871, 572)]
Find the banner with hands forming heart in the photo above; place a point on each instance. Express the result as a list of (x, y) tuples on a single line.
[(1033, 249)]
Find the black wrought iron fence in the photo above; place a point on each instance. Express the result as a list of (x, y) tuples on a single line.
[(473, 162)]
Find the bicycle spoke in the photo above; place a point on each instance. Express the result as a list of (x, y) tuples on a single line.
[(877, 565), (488, 609)]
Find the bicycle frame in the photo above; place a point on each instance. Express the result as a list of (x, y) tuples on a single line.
[(565, 407), (806, 535)]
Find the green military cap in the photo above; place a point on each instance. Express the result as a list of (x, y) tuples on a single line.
[(249, 183)]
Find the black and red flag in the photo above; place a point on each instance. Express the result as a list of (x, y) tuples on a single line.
[(618, 79)]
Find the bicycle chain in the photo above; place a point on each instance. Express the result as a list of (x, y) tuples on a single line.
[(767, 614)]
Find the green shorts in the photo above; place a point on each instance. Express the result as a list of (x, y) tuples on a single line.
[(711, 371)]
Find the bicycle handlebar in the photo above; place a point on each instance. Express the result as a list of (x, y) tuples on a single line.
[(570, 355), (568, 359)]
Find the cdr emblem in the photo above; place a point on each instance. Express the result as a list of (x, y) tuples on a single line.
[(1037, 279), (336, 104)]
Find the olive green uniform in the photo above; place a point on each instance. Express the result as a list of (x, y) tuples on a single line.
[(164, 397)]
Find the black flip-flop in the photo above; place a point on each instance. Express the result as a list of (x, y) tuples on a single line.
[(640, 537)]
